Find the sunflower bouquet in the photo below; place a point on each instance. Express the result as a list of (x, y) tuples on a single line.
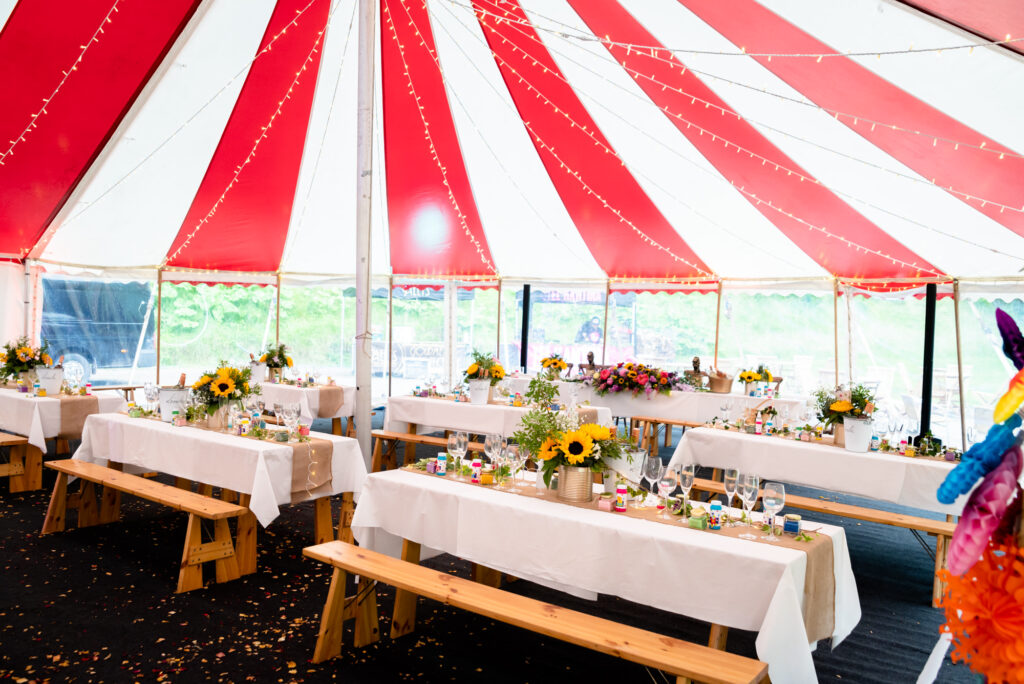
[(585, 447), (484, 367), (214, 390), (276, 356), (21, 357), (833, 405), (636, 378), (761, 374), (553, 366)]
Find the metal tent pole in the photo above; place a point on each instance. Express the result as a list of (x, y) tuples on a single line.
[(849, 331), (524, 338), (364, 189), (931, 291), (497, 341), (604, 331), (718, 318), (835, 324), (391, 318), (159, 317), (959, 364), (277, 313)]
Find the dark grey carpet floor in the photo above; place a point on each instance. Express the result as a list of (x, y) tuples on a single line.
[(97, 604)]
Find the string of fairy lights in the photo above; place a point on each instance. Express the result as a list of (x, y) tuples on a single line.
[(264, 133), (33, 118), (764, 160), (666, 55), (608, 150), (674, 196), (430, 142)]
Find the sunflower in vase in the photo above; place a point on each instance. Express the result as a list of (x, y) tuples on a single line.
[(215, 390), (21, 357), (276, 356), (588, 446), (553, 366)]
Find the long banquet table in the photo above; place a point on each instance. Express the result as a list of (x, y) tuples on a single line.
[(874, 475), (261, 469), (39, 418), (723, 580), (405, 413), (308, 399)]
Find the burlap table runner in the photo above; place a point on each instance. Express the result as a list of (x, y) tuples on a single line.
[(819, 580), (73, 412), (331, 399), (311, 468)]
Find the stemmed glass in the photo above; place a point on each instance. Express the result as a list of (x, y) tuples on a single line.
[(493, 445), (667, 484), (653, 469), (730, 480), (279, 412), (515, 458), (456, 457), (686, 473), (291, 417), (773, 498), (748, 485), (499, 461), (152, 395)]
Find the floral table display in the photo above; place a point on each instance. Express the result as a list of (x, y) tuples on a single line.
[(553, 366), (214, 391), (637, 378), (482, 375), (275, 358), (848, 412), (751, 378), (19, 360), (984, 597)]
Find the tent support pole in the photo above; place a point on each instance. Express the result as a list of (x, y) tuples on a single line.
[(524, 337), (718, 319), (277, 313), (928, 365), (497, 341), (26, 300), (604, 330), (849, 330), (364, 189), (959, 364), (835, 324), (391, 317), (451, 290), (159, 317)]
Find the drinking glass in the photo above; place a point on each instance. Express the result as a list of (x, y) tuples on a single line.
[(653, 470), (463, 447), (152, 394), (456, 458), (686, 473), (498, 461), (748, 485), (514, 458), (730, 480), (279, 412), (724, 408), (773, 499), (291, 417), (492, 446), (667, 484)]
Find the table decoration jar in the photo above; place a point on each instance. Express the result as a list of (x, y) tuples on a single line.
[(575, 484), (856, 433)]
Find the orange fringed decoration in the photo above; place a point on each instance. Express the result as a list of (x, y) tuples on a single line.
[(988, 632)]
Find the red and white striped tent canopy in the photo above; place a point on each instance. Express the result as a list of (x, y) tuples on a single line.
[(630, 141)]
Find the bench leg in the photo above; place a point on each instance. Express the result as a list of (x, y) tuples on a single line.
[(403, 621), (88, 512), (718, 636), (350, 427), (227, 568), (668, 435), (328, 641), (367, 623), (190, 575), (30, 458), (182, 483), (245, 539), (375, 462), (938, 586), (63, 447), (336, 427), (323, 524), (110, 502), (348, 510), (410, 449), (228, 495), (57, 510), (486, 576)]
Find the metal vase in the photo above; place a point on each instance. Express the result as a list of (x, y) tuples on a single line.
[(575, 483)]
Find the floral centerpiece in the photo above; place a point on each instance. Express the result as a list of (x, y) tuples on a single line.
[(846, 410), (21, 357), (214, 391), (276, 356), (636, 378), (553, 366), (761, 374), (481, 375)]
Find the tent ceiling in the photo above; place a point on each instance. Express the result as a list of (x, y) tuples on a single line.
[(640, 141)]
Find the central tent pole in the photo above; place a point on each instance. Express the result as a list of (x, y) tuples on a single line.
[(835, 323), (497, 341), (604, 331), (931, 291), (364, 190), (718, 318), (524, 338), (959, 364), (159, 311), (277, 313)]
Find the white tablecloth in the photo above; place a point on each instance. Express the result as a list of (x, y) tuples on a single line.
[(39, 418), (308, 399), (262, 469), (446, 414), (731, 582), (875, 475)]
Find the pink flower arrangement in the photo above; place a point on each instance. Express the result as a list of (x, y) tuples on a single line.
[(636, 378)]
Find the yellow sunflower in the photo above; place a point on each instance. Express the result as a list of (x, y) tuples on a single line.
[(598, 433), (288, 360), (547, 449), (24, 353), (497, 372), (576, 446), (47, 359), (224, 372), (841, 406), (263, 359), (222, 386), (201, 381), (473, 368)]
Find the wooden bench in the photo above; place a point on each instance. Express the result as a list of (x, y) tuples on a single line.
[(942, 530), (198, 506), (25, 467), (688, 661), (649, 430), (385, 450)]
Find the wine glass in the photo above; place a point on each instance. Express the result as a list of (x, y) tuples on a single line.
[(499, 461), (724, 408), (463, 446), (730, 480), (748, 485), (291, 417), (152, 394), (653, 469), (279, 412), (667, 484), (515, 458), (492, 446), (456, 457), (773, 498), (686, 473)]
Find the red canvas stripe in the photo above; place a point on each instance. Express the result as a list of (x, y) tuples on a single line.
[(840, 84), (239, 217), (991, 20), (623, 229), (39, 42), (843, 241), (435, 228)]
